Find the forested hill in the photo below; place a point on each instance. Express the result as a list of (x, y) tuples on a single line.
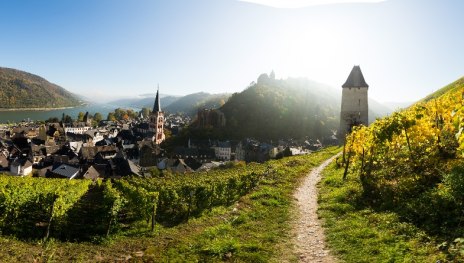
[(277, 109), (190, 104), (19, 89)]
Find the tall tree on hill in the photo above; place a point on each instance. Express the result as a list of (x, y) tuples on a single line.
[(80, 116), (97, 117)]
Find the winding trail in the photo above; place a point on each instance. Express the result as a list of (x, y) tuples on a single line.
[(309, 236)]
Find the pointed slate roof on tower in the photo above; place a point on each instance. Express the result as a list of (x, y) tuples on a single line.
[(157, 106), (355, 79)]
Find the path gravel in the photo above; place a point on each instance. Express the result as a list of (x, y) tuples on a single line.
[(308, 232)]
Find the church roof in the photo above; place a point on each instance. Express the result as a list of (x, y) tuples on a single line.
[(157, 106), (355, 79)]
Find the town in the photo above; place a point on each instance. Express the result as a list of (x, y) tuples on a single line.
[(92, 148)]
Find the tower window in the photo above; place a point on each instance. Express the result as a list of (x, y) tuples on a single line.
[(359, 102)]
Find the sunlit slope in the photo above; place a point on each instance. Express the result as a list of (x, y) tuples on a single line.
[(19, 89), (412, 162), (449, 88)]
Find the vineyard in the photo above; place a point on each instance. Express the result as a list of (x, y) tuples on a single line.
[(81, 210), (237, 213), (412, 163)]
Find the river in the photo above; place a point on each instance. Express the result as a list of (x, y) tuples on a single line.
[(34, 115)]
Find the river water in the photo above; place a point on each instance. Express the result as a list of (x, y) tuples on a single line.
[(17, 116)]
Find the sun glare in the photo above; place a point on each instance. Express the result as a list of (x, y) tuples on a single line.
[(310, 51), (305, 3)]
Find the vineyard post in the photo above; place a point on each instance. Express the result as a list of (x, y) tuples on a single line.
[(211, 198), (347, 164), (153, 218), (344, 146), (109, 226), (407, 141), (47, 234), (190, 203), (153, 211), (362, 161)]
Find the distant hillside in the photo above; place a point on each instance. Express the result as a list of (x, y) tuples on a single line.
[(277, 109), (19, 89), (189, 104), (377, 110), (146, 102)]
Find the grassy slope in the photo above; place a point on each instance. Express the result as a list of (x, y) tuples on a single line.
[(356, 233), (255, 229), (448, 88)]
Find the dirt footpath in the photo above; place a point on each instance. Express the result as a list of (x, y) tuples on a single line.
[(309, 236)]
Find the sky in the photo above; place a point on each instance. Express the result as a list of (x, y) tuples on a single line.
[(108, 49)]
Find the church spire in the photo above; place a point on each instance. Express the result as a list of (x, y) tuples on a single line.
[(157, 121), (157, 106)]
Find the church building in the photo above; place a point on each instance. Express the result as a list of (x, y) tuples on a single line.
[(354, 110), (157, 121)]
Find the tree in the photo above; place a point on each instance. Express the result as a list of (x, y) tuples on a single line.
[(52, 120), (111, 117), (119, 113), (67, 119), (167, 133), (131, 114), (146, 112), (80, 117), (97, 117)]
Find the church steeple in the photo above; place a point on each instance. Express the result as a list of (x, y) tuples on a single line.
[(157, 105), (157, 121)]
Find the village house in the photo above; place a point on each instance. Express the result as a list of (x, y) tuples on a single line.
[(93, 174), (64, 171), (21, 167), (175, 165), (222, 150)]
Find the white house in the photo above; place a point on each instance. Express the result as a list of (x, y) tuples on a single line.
[(223, 151), (21, 167), (77, 128)]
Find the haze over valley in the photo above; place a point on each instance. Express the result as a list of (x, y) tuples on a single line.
[(232, 131)]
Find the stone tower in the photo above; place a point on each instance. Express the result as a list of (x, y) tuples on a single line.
[(354, 109), (157, 121)]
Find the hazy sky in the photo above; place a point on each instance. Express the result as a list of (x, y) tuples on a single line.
[(109, 48)]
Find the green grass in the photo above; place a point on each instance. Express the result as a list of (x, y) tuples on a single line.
[(254, 229), (356, 233)]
